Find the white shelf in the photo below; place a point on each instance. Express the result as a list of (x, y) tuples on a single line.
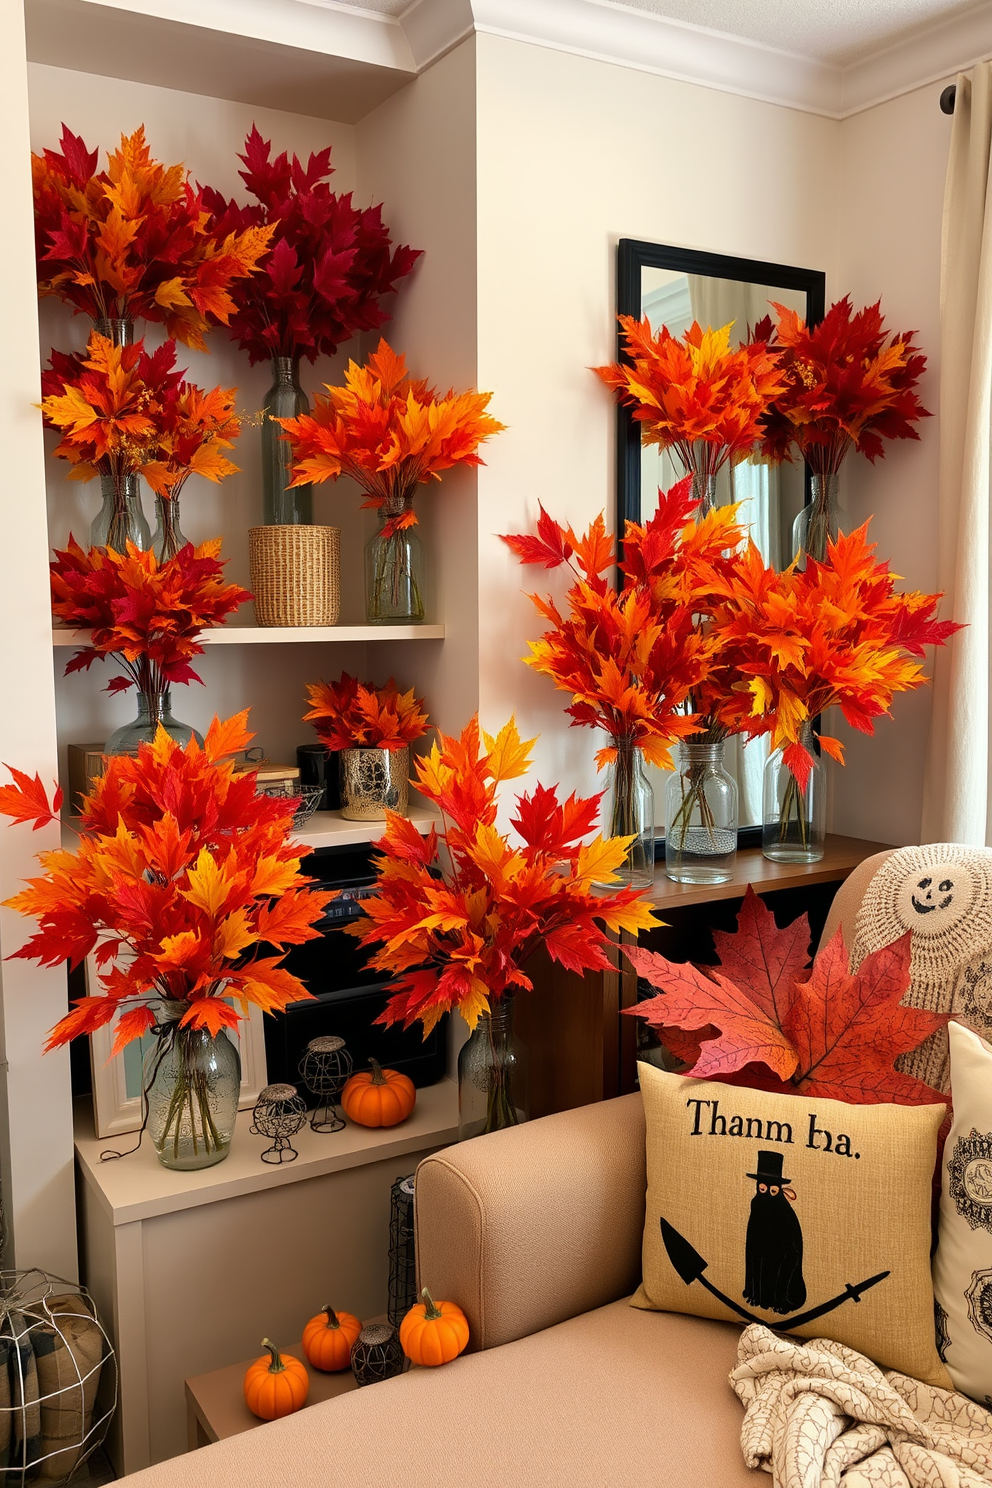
[(139, 1187), (330, 829), (257, 635)]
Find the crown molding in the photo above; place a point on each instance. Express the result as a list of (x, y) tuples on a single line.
[(651, 43)]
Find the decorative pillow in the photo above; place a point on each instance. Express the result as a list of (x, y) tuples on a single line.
[(962, 1267), (942, 892), (808, 1215)]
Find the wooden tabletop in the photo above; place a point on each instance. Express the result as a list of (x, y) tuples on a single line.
[(841, 855)]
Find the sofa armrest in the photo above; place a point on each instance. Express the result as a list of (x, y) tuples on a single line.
[(527, 1227)]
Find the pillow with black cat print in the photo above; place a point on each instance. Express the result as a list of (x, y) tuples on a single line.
[(962, 1267), (811, 1216)]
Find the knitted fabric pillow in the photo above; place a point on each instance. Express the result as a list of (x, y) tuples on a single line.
[(962, 1268), (942, 892), (808, 1215)]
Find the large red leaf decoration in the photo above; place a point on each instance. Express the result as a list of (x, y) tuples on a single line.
[(765, 962)]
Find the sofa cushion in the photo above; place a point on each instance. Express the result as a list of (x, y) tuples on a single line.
[(962, 1268), (606, 1399), (791, 1208)]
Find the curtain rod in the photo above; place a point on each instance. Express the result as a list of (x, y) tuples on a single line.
[(947, 98)]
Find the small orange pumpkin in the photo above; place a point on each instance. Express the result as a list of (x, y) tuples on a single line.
[(378, 1097), (276, 1384), (433, 1332), (328, 1337)]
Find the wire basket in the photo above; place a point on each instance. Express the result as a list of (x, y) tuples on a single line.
[(295, 574), (309, 799), (58, 1378)]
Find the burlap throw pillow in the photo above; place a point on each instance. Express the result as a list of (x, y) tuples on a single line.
[(962, 1267), (808, 1215)]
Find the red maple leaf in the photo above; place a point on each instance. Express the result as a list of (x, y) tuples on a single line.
[(835, 1034)]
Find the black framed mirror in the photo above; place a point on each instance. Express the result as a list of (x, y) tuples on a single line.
[(673, 287)]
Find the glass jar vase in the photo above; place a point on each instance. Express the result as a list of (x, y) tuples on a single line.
[(394, 569), (121, 519), (154, 708), (167, 538), (819, 520), (283, 505), (700, 815), (192, 1081), (492, 1086), (794, 815), (628, 811)]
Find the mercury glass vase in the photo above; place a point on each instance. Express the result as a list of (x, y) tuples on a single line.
[(374, 781), (628, 811), (394, 569), (820, 519), (701, 815), (117, 328), (192, 1081), (154, 708), (492, 1087), (167, 538), (283, 504), (121, 519), (794, 814)]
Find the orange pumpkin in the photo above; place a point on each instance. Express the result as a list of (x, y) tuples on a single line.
[(276, 1384), (378, 1097), (433, 1332), (328, 1337)]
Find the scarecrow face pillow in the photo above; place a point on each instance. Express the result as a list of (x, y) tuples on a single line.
[(808, 1215)]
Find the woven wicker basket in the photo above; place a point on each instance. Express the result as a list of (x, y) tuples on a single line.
[(295, 574)]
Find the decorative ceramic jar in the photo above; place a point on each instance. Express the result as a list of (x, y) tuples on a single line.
[(374, 781), (701, 816)]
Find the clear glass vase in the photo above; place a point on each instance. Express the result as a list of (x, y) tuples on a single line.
[(394, 570), (819, 520), (703, 491), (121, 519), (281, 504), (167, 538), (192, 1081), (628, 811), (154, 708), (492, 1085), (794, 816), (701, 815)]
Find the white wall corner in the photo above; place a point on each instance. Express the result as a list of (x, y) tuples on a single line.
[(434, 27), (927, 57)]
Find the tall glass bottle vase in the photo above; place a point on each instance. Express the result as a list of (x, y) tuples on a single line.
[(121, 519), (703, 491), (167, 538), (819, 520), (492, 1091), (794, 815), (192, 1081), (154, 708), (701, 815), (394, 569), (628, 811), (282, 506)]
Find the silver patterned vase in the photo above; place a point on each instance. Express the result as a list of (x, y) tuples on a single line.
[(374, 781)]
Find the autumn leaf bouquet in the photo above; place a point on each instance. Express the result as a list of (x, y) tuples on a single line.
[(390, 433), (847, 383), (457, 913), (371, 730), (187, 891), (146, 614), (695, 395), (135, 241)]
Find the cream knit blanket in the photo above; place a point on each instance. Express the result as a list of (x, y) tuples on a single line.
[(942, 892), (819, 1415)]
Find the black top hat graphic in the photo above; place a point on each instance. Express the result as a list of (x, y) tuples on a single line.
[(769, 1168)]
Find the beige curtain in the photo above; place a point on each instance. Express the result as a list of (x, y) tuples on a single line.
[(957, 797)]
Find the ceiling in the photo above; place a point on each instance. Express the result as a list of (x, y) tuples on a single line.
[(836, 31)]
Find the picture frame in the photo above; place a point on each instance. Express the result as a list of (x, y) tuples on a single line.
[(117, 1081)]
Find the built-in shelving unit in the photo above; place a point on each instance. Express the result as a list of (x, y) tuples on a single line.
[(258, 635), (330, 829)]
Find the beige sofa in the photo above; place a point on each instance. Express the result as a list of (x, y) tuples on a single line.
[(536, 1233)]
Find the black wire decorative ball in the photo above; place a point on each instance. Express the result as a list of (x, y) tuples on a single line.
[(324, 1070), (377, 1354), (279, 1113)]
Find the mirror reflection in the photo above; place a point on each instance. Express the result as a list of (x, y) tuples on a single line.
[(674, 287)]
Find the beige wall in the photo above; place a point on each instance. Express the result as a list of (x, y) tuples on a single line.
[(892, 163)]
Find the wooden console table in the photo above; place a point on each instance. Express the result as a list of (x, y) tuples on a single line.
[(579, 1048)]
